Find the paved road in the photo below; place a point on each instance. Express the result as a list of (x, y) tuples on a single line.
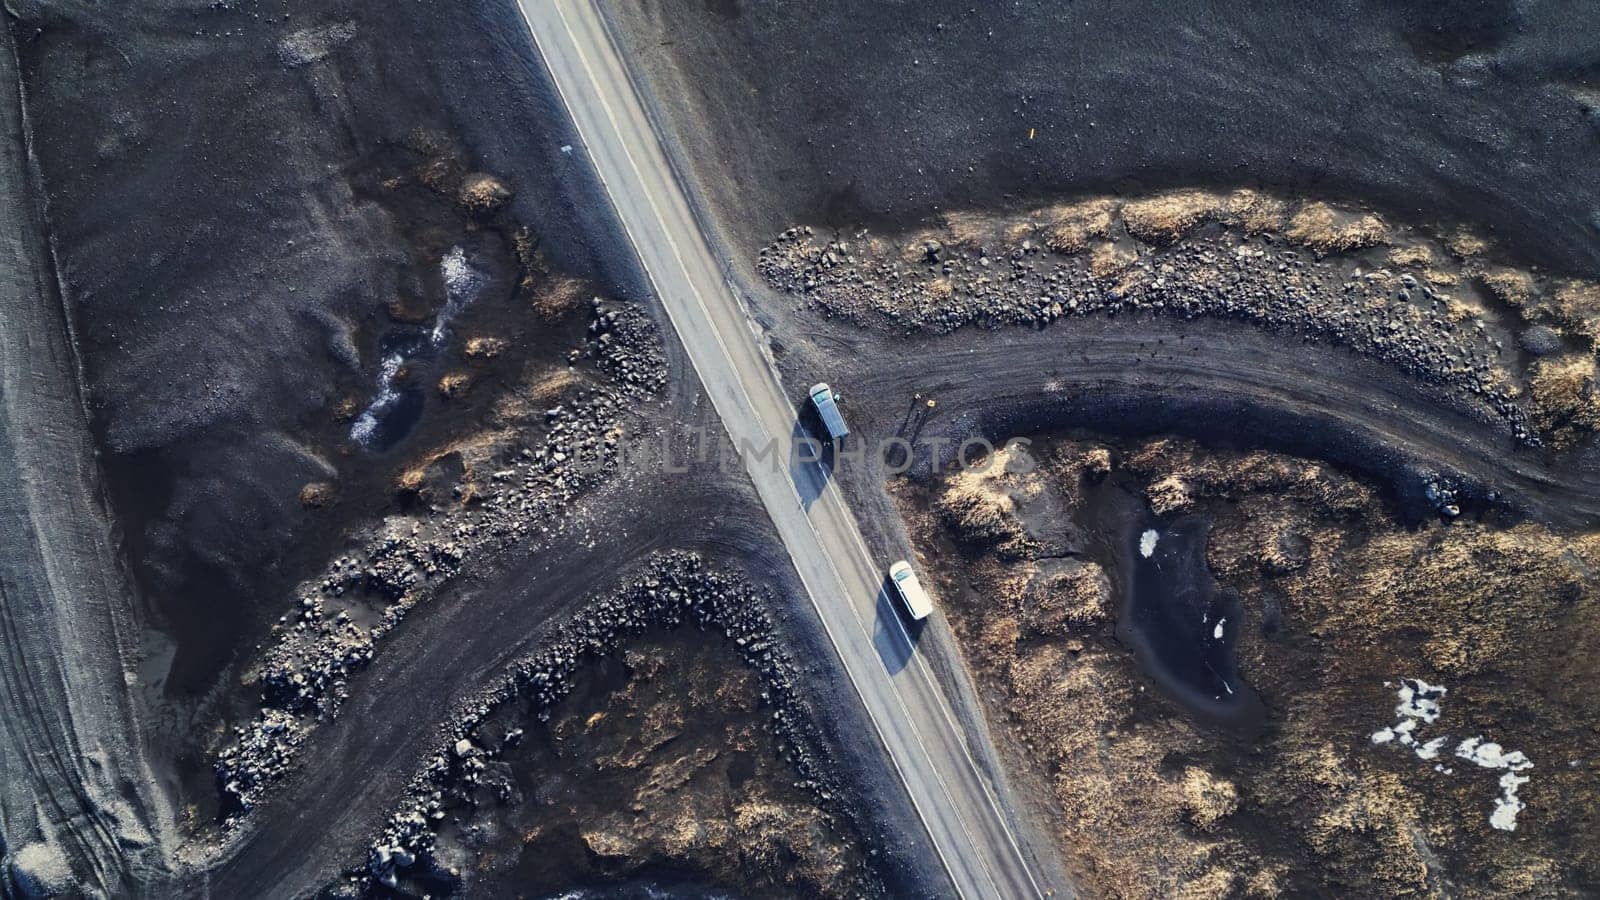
[(957, 802)]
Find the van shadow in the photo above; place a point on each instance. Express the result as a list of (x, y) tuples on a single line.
[(810, 464), (893, 636)]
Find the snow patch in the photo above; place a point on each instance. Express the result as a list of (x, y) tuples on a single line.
[(367, 423), (1419, 705), (461, 285), (1420, 700), (1491, 755), (41, 870), (1147, 542), (1430, 750)]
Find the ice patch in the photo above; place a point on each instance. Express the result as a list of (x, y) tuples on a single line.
[(1147, 542), (461, 284), (366, 424)]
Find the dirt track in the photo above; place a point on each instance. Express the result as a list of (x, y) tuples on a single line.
[(353, 769), (1212, 380), (77, 796)]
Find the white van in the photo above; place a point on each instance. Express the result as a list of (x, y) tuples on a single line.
[(910, 590), (823, 398)]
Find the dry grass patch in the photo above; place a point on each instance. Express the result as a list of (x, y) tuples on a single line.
[(1512, 287), (1577, 304), (556, 298), (1165, 218), (1108, 260), (1256, 212), (1465, 243), (1566, 402), (1415, 256), (1070, 227), (1325, 229), (971, 230)]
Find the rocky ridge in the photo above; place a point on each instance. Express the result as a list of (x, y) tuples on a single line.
[(1435, 308)]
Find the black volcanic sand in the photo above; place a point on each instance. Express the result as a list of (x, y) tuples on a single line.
[(858, 113), (219, 184), (214, 180)]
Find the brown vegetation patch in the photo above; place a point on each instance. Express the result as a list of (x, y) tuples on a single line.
[(482, 196), (1070, 226), (1337, 599), (1165, 218), (1566, 401), (317, 494), (667, 766), (1325, 229)]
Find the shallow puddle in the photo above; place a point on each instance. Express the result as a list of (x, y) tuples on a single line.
[(1181, 628)]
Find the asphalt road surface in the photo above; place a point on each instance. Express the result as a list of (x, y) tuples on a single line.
[(962, 807)]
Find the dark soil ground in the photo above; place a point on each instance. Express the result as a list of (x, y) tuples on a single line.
[(846, 113), (258, 258)]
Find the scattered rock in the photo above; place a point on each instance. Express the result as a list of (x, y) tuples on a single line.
[(979, 277), (675, 590), (1540, 340)]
